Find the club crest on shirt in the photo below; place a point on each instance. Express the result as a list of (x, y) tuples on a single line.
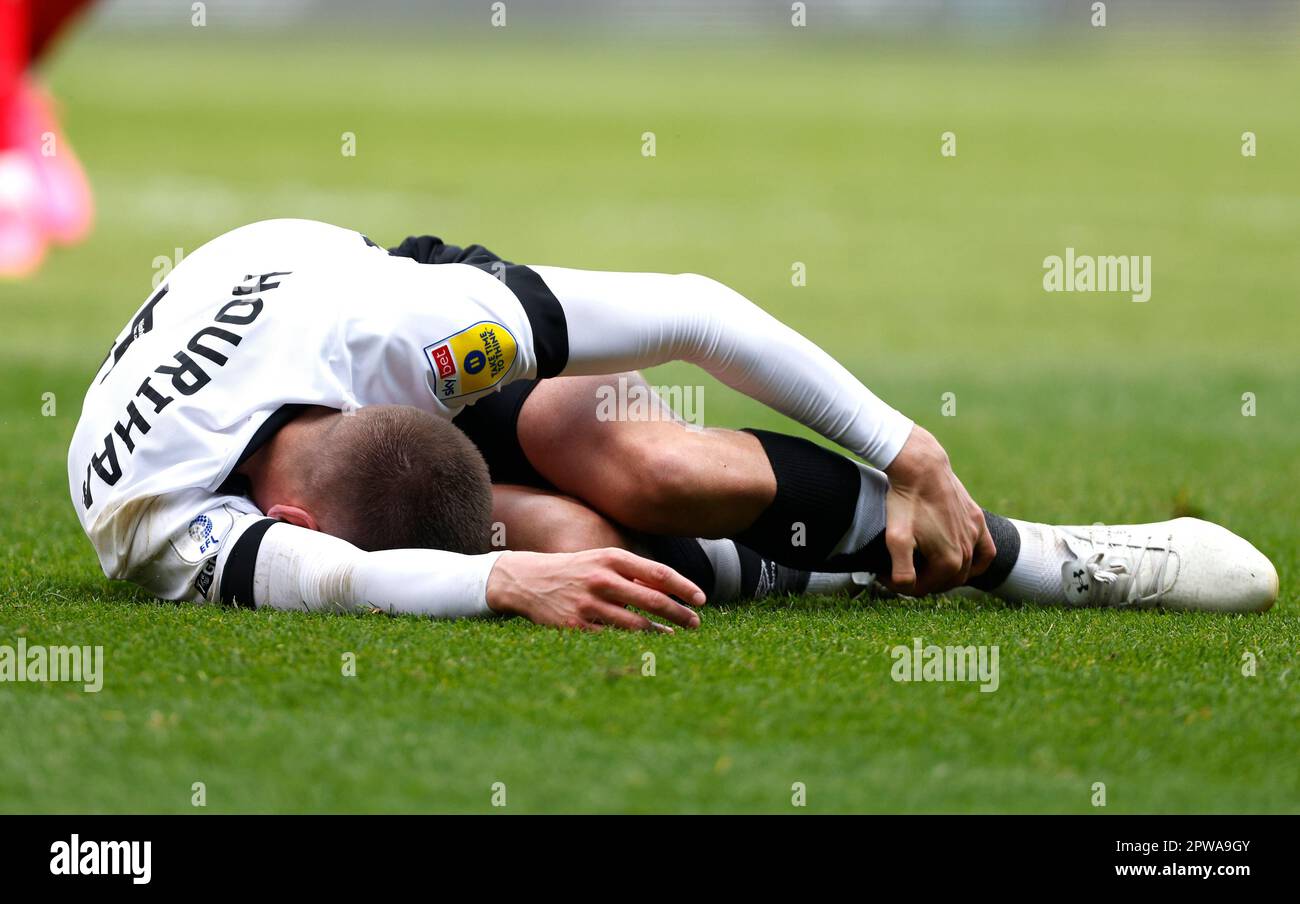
[(475, 359), (203, 536)]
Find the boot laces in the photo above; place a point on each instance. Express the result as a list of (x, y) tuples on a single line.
[(1121, 570)]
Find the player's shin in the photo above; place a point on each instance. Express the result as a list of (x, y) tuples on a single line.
[(730, 572), (828, 515), (826, 507)]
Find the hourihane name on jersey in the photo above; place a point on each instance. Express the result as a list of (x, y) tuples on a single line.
[(187, 376)]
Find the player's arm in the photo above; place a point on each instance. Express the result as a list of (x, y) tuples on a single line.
[(203, 547), (627, 321), (287, 567)]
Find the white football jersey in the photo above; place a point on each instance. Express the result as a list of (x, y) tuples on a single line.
[(270, 316)]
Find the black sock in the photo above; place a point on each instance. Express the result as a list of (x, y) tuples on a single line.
[(751, 575), (754, 576), (1007, 539), (874, 557), (820, 489), (683, 555), (761, 577), (816, 504)]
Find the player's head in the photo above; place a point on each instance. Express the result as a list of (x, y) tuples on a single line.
[(383, 477)]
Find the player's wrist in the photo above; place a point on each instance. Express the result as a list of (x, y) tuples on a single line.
[(920, 456), (507, 590)]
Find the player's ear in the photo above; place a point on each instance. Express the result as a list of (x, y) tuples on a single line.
[(293, 515)]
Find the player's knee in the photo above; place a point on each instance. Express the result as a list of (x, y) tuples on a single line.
[(572, 527), (657, 479)]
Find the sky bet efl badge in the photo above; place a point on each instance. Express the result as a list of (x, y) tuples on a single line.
[(470, 361)]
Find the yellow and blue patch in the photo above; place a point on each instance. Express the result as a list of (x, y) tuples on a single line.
[(475, 359)]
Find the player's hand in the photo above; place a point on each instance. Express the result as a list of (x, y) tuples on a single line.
[(591, 590), (929, 513)]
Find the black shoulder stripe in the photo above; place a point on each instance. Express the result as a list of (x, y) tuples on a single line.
[(545, 316), (237, 578)]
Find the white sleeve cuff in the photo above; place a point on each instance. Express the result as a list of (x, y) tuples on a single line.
[(894, 432), (308, 570)]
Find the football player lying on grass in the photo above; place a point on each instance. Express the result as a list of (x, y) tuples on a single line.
[(274, 427)]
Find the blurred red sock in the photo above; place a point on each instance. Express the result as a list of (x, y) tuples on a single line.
[(43, 190), (66, 207), (13, 61)]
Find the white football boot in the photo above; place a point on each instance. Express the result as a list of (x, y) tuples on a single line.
[(1185, 564)]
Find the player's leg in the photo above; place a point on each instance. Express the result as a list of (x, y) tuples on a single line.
[(807, 507), (22, 237), (789, 499), (652, 473), (534, 520)]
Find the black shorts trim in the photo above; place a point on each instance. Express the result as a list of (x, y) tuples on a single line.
[(492, 425)]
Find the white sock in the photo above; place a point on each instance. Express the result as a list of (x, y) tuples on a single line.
[(727, 583), (1036, 576), (869, 515), (828, 583), (726, 569)]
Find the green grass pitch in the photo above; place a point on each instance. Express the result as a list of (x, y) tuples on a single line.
[(923, 276)]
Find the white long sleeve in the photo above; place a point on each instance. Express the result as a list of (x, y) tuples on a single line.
[(625, 321), (307, 570)]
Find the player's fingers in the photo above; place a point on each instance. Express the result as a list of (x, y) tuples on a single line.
[(981, 550), (947, 570), (985, 551), (967, 559), (581, 619), (647, 599), (900, 543), (618, 617), (936, 570), (656, 575), (932, 575)]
